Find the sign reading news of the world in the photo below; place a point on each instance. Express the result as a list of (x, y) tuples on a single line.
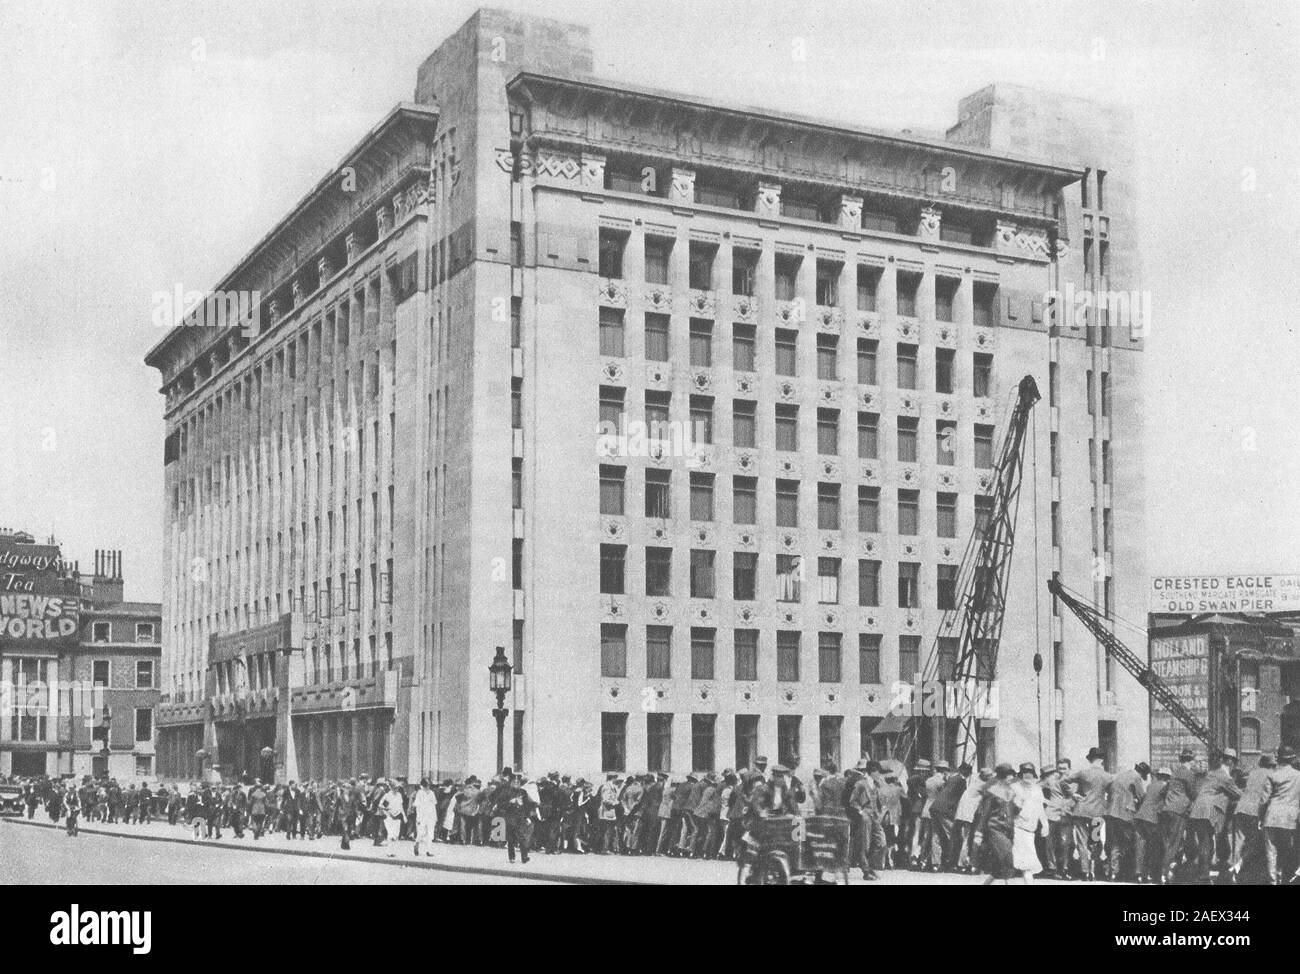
[(1196, 594), (37, 609)]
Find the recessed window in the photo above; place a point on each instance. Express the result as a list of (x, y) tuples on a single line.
[(702, 574), (787, 658), (946, 515), (828, 354), (828, 283), (744, 576), (983, 446), (658, 571), (983, 375), (907, 439), (787, 427), (943, 370), (658, 493), (744, 500), (656, 338), (868, 436), (828, 432), (909, 512), (907, 366), (786, 352), (743, 422), (868, 582), (612, 491), (946, 587), (144, 674), (612, 246), (828, 507), (745, 644), (908, 285), (985, 299), (828, 581), (945, 293), (869, 509), (100, 632), (742, 348), (701, 270), (829, 663), (787, 276), (743, 266), (868, 284), (611, 332), (701, 343), (659, 652), (703, 647), (612, 564), (613, 650), (658, 252), (701, 496), (787, 503), (868, 354), (909, 585), (789, 578)]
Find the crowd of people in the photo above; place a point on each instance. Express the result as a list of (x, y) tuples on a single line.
[(1183, 824)]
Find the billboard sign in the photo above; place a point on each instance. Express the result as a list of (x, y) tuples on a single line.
[(1199, 594), (1183, 664), (38, 607)]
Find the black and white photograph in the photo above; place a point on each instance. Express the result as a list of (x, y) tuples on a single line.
[(660, 443)]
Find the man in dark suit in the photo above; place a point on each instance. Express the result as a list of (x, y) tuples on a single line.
[(943, 813), (1122, 800), (1179, 796), (1246, 834), (1089, 785), (1281, 811)]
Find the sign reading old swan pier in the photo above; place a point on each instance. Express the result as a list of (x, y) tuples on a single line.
[(1224, 593)]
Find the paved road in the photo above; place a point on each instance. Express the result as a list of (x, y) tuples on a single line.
[(35, 856)]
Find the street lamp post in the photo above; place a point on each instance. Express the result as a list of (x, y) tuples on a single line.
[(499, 683)]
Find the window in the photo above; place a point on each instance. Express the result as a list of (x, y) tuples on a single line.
[(701, 343), (787, 739), (743, 265), (828, 432), (787, 657), (787, 275), (145, 632), (701, 271), (945, 507), (611, 410), (1101, 189), (744, 576), (745, 642), (702, 579), (100, 632), (945, 289), (828, 657), (743, 422), (516, 488), (658, 652), (1105, 393), (868, 279), (1249, 735), (868, 582), (868, 509), (867, 361), (882, 222), (658, 493), (613, 650), (746, 740), (742, 348), (701, 408), (658, 571), (516, 649), (907, 366), (908, 285), (612, 245), (789, 574), (517, 404), (611, 332), (657, 405), (947, 657), (787, 427), (702, 646), (144, 765), (828, 357), (659, 741), (744, 500), (909, 585), (144, 674), (907, 429), (1053, 382), (909, 512), (787, 503), (983, 446), (99, 673), (828, 507), (1106, 530), (656, 337), (613, 742), (143, 725), (658, 250), (828, 581), (611, 489), (703, 741), (985, 298), (701, 496), (612, 558), (828, 283), (786, 347), (909, 658), (868, 657), (946, 587), (516, 250), (868, 436), (943, 369), (945, 442), (1105, 461), (517, 566), (1091, 392)]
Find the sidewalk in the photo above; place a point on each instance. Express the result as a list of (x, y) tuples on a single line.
[(472, 860)]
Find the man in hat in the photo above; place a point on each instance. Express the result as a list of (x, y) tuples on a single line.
[(943, 813), (963, 832), (1179, 795), (706, 818), (829, 791), (1216, 791), (1281, 812), (648, 829), (1122, 800), (1089, 785), (1056, 808), (913, 834), (1246, 834), (516, 807), (866, 832), (668, 822), (927, 859), (750, 777), (426, 817), (609, 793), (690, 825)]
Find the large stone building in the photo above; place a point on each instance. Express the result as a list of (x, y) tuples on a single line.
[(400, 469), (78, 666)]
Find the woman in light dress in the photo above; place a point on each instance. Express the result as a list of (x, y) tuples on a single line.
[(1030, 820)]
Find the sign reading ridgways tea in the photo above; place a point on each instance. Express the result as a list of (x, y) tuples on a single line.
[(35, 604)]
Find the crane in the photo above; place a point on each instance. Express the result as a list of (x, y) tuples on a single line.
[(1156, 687), (982, 585)]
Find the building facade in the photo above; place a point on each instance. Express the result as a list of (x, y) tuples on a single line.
[(691, 406), (78, 666)]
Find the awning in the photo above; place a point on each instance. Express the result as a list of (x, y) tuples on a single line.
[(892, 723)]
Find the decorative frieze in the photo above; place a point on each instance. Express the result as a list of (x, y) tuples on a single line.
[(928, 227), (682, 189), (850, 212), (768, 201), (593, 171)]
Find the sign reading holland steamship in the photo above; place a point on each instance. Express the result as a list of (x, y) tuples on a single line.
[(1196, 594), (36, 607), (1183, 663)]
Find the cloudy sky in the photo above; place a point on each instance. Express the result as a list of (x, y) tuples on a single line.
[(149, 144)]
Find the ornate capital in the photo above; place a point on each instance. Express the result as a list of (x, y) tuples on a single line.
[(384, 219), (683, 186), (768, 201), (850, 211), (593, 171), (928, 228)]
